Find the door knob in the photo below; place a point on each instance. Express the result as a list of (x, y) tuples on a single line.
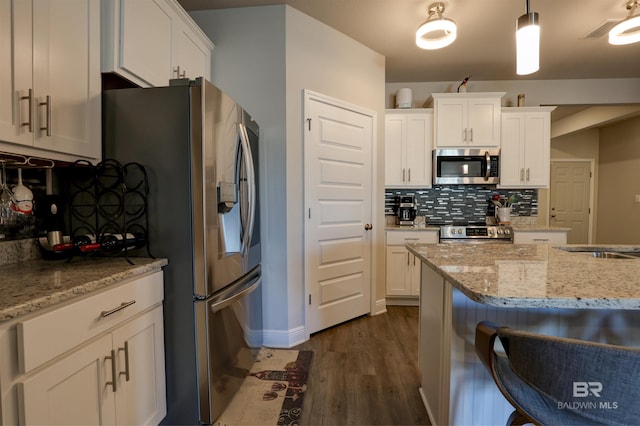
[(368, 226)]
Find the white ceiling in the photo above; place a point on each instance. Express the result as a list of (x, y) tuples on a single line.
[(485, 47)]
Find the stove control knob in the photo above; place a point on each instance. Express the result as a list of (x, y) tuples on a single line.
[(499, 231), (507, 231), (460, 231), (492, 231)]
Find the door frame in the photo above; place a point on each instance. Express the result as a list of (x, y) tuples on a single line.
[(592, 191), (308, 95)]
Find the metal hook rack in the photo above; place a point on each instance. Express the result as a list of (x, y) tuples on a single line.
[(19, 160)]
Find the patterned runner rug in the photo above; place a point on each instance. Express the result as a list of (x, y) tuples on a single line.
[(273, 391)]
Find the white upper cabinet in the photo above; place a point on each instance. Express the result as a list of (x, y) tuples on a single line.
[(467, 120), (149, 42), (50, 78), (526, 145), (408, 145)]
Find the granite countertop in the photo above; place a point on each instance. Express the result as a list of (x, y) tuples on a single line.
[(537, 275), (36, 284)]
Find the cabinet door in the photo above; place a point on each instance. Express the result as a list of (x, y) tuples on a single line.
[(511, 168), (537, 134), (484, 122), (191, 59), (145, 40), (394, 130), (66, 76), (139, 346), (74, 390), (398, 261), (418, 150), (451, 122), (15, 71)]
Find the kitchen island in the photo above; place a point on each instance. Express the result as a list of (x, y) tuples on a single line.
[(541, 288)]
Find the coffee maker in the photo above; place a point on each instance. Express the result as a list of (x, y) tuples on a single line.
[(405, 210)]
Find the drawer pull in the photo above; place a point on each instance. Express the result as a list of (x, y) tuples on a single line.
[(113, 384), (123, 305), (126, 360), (411, 239)]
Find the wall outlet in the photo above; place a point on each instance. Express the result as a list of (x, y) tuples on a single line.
[(637, 198)]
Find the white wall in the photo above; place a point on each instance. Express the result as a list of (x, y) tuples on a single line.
[(264, 58)]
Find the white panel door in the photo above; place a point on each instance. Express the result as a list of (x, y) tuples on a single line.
[(570, 195), (337, 180)]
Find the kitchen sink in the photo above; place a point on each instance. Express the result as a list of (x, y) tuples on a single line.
[(603, 252), (616, 255)]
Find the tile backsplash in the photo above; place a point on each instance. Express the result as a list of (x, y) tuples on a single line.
[(446, 203)]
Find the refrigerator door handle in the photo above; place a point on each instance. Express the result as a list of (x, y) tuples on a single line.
[(245, 289), (249, 216)]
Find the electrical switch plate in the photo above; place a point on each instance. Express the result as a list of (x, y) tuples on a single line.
[(637, 198)]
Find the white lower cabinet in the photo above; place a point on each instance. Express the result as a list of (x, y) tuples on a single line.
[(402, 266), (539, 237), (116, 379), (98, 360)]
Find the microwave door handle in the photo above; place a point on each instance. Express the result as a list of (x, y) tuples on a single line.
[(487, 158)]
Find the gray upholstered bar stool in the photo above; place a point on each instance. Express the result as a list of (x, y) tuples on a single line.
[(560, 381)]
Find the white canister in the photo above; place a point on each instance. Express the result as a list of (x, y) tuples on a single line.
[(404, 98)]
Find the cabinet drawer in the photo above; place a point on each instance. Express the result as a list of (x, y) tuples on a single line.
[(46, 336), (406, 237)]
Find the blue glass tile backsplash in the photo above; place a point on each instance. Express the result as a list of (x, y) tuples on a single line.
[(449, 203)]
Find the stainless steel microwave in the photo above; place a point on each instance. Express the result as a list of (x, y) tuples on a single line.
[(466, 166)]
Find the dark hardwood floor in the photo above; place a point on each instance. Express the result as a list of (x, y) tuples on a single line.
[(365, 372)]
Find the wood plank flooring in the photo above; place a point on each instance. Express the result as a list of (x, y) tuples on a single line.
[(365, 372)]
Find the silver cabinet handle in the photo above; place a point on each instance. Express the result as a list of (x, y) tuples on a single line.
[(123, 305), (29, 99), (471, 131), (126, 361), (177, 71), (521, 175), (465, 134), (408, 254), (47, 105), (114, 377), (527, 174), (404, 175), (409, 180)]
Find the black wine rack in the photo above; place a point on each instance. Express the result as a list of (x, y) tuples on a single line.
[(109, 198)]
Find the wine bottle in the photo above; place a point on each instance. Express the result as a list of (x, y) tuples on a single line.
[(116, 243)]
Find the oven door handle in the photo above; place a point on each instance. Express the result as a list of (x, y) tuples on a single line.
[(487, 158)]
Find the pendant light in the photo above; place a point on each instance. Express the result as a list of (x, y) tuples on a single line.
[(627, 31), (445, 30), (527, 43)]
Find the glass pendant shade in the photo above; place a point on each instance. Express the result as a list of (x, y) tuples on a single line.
[(527, 44)]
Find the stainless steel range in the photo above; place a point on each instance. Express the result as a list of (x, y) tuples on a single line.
[(476, 233)]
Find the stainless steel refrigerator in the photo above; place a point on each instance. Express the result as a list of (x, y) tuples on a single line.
[(200, 152)]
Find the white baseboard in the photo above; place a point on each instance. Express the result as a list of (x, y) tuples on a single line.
[(284, 338), (381, 307), (426, 406), (403, 301)]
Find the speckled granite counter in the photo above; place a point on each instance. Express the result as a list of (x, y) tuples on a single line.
[(536, 275), (36, 284)]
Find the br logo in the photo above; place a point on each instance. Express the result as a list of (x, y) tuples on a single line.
[(584, 389)]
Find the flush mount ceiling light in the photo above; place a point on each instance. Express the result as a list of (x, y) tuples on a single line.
[(436, 32), (527, 43), (627, 31)]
